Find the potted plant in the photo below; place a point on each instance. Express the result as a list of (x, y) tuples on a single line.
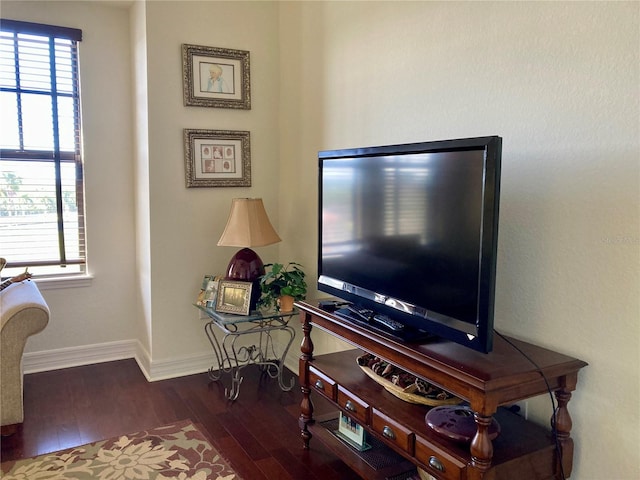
[(281, 285)]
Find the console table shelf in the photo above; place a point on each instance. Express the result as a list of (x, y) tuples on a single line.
[(523, 450)]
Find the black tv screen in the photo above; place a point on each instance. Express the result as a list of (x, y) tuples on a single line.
[(409, 232)]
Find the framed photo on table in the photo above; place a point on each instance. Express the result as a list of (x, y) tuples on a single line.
[(351, 433), (217, 158), (234, 297), (209, 291), (215, 77)]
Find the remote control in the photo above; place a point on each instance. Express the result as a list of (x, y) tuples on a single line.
[(362, 313), (388, 322)]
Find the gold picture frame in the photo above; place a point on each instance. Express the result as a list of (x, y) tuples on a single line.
[(234, 297), (217, 158), (215, 77)]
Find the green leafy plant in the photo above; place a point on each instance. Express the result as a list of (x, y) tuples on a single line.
[(280, 280)]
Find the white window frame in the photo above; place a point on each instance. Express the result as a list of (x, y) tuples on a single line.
[(68, 229)]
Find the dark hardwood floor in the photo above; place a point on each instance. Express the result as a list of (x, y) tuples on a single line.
[(258, 433)]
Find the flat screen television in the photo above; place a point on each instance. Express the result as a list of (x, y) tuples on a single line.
[(408, 237)]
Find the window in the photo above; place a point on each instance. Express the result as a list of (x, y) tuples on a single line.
[(41, 174)]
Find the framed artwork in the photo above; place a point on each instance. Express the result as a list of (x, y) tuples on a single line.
[(217, 158), (215, 77), (234, 297)]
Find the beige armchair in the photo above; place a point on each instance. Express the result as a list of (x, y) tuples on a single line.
[(24, 313)]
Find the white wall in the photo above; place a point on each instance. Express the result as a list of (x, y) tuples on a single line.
[(105, 311), (150, 239), (142, 208), (186, 223), (559, 81)]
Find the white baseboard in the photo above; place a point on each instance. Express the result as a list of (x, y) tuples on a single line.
[(178, 367), (76, 356), (108, 352)]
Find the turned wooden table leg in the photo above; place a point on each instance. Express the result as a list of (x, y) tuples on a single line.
[(306, 417), (306, 406), (561, 424), (481, 446)]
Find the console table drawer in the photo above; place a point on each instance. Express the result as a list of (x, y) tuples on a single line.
[(440, 463), (353, 405), (322, 383), (392, 431)]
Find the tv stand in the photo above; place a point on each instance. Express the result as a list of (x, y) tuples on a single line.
[(523, 450)]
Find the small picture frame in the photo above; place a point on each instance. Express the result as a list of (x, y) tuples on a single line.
[(352, 433), (209, 291), (217, 158), (215, 77), (234, 297)]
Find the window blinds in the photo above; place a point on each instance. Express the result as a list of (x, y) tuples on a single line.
[(41, 175)]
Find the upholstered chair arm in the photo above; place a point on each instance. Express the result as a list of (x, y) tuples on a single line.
[(24, 313)]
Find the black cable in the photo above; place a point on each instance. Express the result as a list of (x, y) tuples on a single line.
[(553, 401)]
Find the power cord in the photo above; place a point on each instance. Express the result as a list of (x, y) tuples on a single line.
[(553, 401)]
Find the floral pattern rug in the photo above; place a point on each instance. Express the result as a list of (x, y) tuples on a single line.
[(173, 452)]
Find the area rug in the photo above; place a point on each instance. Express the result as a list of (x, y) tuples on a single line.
[(173, 452)]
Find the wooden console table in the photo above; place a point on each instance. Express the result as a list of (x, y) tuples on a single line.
[(523, 450)]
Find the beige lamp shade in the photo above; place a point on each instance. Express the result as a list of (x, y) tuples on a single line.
[(248, 225)]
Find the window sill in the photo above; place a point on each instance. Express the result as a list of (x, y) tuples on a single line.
[(64, 282)]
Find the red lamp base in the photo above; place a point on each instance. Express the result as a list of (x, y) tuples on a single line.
[(247, 266)]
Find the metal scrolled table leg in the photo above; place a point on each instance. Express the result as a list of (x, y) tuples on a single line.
[(214, 374), (232, 359), (280, 365)]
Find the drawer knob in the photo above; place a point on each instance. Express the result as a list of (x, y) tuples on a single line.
[(388, 433), (436, 464), (319, 384), (350, 406)]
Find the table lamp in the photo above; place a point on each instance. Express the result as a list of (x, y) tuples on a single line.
[(247, 226)]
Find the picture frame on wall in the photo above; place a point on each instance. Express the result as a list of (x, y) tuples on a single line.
[(234, 297), (217, 158), (215, 77)]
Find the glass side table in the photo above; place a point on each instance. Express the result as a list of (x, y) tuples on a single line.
[(232, 358)]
